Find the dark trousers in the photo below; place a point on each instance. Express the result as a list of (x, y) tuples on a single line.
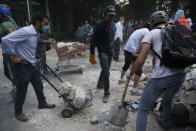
[(116, 48), (104, 82), (130, 59), (25, 74), (41, 56), (8, 67)]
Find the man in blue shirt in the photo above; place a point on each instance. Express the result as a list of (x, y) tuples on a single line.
[(21, 46)]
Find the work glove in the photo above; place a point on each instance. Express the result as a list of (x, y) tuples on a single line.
[(15, 58), (92, 59)]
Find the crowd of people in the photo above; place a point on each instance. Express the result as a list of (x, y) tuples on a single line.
[(167, 76), (22, 46)]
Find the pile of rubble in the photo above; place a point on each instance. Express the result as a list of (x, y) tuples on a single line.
[(70, 50)]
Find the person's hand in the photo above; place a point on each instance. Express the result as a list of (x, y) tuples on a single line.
[(15, 58), (92, 59), (120, 40), (51, 40)]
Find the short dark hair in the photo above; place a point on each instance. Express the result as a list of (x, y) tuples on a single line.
[(146, 25), (37, 17)]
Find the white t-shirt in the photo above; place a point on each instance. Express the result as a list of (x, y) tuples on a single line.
[(154, 38), (119, 31), (134, 42)]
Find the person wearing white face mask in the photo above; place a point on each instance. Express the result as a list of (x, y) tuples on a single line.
[(43, 45)]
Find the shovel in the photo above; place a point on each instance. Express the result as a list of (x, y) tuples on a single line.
[(118, 114)]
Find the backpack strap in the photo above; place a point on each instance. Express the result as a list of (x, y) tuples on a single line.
[(157, 27), (161, 64), (156, 53), (154, 50)]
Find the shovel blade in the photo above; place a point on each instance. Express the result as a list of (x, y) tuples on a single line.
[(118, 116)]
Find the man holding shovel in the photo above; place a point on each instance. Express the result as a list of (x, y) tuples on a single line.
[(131, 50), (103, 38), (164, 80)]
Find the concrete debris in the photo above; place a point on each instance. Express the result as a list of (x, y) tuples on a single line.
[(94, 120), (79, 100), (193, 78), (5, 85), (75, 94)]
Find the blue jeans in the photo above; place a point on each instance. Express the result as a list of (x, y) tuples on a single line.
[(104, 82), (168, 86)]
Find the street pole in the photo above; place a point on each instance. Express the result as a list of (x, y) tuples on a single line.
[(28, 9), (47, 8)]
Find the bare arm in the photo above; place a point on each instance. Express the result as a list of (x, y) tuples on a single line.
[(141, 57)]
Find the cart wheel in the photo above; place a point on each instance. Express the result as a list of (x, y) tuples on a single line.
[(67, 113)]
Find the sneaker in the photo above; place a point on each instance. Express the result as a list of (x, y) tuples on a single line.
[(21, 117), (105, 98)]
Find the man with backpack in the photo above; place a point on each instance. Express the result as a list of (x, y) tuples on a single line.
[(172, 55)]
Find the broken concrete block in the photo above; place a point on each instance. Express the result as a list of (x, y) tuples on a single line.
[(94, 120), (190, 98), (79, 100), (65, 88)]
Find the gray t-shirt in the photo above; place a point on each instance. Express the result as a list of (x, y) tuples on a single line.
[(154, 38)]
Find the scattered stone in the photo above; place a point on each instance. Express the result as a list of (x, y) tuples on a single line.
[(5, 86), (94, 120)]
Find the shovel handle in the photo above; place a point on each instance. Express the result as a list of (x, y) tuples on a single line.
[(126, 87)]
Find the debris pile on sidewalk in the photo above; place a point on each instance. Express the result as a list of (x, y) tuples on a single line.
[(184, 103)]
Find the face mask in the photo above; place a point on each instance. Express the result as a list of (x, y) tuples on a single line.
[(45, 28)]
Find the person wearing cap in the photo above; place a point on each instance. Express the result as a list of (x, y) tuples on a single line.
[(102, 39), (164, 80)]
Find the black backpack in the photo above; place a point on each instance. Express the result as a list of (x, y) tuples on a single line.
[(178, 47)]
